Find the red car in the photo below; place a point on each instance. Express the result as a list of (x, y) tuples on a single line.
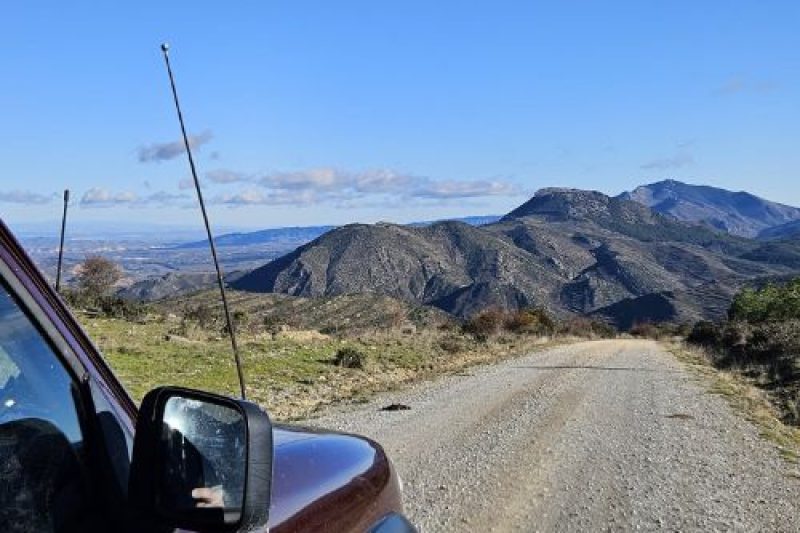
[(77, 455)]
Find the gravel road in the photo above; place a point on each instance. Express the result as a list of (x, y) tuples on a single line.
[(596, 436)]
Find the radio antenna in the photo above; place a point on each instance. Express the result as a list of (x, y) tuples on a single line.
[(61, 245), (220, 282)]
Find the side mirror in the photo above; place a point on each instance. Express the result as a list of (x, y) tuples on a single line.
[(201, 462)]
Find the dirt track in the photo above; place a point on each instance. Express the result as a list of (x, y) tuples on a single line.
[(596, 436)]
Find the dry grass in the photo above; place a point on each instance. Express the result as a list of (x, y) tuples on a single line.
[(291, 375), (745, 397)]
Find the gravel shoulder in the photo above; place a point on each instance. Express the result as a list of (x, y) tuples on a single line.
[(595, 436)]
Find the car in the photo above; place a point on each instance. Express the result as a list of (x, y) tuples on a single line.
[(76, 454)]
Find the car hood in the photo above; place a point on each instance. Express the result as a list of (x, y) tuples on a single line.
[(329, 481)]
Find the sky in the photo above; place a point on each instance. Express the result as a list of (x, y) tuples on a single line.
[(317, 112)]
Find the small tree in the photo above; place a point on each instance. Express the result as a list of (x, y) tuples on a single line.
[(96, 277)]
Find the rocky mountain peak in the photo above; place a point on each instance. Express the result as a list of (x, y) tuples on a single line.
[(739, 213), (575, 204)]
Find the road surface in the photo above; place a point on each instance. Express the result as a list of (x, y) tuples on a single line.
[(596, 436)]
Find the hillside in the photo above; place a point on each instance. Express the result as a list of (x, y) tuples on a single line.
[(284, 236), (450, 265), (341, 314), (738, 213), (172, 284), (784, 231), (292, 237), (569, 250)]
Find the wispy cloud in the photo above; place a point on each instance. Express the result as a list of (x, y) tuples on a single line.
[(164, 198), (466, 189), (170, 150), (315, 187), (253, 196), (743, 84), (351, 189), (328, 179), (226, 176), (97, 197), (681, 159), (26, 197), (185, 184)]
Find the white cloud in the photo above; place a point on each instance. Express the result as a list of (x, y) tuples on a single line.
[(98, 197), (318, 186), (170, 150), (259, 197), (226, 176), (350, 189), (25, 197), (451, 189)]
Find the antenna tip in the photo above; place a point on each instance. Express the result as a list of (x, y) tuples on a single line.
[(164, 47)]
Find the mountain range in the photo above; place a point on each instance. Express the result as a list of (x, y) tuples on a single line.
[(625, 259), (300, 235), (738, 213)]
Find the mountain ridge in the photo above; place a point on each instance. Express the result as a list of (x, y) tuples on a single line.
[(736, 212), (569, 250)]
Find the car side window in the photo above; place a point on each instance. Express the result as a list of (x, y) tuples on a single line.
[(42, 465)]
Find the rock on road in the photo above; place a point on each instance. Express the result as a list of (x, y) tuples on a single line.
[(595, 436)]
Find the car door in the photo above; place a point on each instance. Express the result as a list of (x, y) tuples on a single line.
[(46, 461)]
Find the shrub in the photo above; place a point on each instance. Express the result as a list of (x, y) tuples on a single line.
[(116, 307), (646, 330), (96, 276), (705, 333), (770, 303), (108, 306), (603, 330), (451, 344), (350, 358), (202, 314), (534, 321), (581, 326), (576, 326), (485, 323)]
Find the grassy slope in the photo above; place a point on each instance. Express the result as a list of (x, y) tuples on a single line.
[(292, 377)]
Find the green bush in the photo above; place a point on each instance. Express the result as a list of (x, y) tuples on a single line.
[(202, 314), (116, 307), (770, 303), (762, 340), (705, 333), (350, 358), (108, 306)]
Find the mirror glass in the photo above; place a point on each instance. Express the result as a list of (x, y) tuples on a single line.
[(203, 450)]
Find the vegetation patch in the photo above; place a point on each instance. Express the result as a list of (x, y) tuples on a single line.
[(761, 341), (350, 358), (293, 376), (745, 396)]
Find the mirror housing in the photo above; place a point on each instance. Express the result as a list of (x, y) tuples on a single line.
[(188, 440)]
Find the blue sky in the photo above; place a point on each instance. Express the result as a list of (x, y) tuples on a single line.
[(323, 112)]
